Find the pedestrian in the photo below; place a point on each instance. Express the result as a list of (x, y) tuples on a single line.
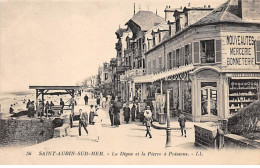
[(83, 121), (133, 112), (41, 108), (98, 101), (31, 109), (91, 115), (126, 113), (116, 110), (11, 110), (219, 139), (182, 120), (51, 104), (148, 121), (98, 124), (111, 114), (86, 99), (47, 107), (27, 106), (62, 105)]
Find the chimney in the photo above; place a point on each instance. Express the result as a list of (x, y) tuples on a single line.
[(181, 7), (166, 6), (156, 11), (249, 10), (189, 4), (208, 6), (204, 6), (134, 8), (169, 6)]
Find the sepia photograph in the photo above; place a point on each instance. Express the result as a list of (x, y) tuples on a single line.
[(130, 82)]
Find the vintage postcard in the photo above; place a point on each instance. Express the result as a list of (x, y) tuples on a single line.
[(123, 82)]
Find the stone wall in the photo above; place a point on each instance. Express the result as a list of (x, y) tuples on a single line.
[(205, 136), (25, 132), (235, 141)]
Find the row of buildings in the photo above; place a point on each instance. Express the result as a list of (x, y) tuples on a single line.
[(208, 58)]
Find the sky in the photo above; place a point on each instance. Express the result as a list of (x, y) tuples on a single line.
[(62, 42)]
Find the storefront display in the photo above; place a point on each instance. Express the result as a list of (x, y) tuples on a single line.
[(242, 92)]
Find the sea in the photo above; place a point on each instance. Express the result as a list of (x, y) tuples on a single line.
[(18, 99)]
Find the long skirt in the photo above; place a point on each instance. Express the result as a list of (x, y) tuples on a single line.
[(116, 119), (127, 116), (91, 117)]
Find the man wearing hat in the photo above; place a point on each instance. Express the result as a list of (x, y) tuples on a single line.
[(182, 120)]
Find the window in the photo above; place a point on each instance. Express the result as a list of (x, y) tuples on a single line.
[(178, 57), (106, 76), (169, 60), (178, 26), (154, 43), (160, 37), (148, 44), (207, 51), (143, 63)]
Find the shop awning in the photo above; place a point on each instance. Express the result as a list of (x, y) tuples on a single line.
[(144, 79), (154, 77), (172, 72)]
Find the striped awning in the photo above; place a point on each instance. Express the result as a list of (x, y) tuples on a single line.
[(172, 72), (163, 75)]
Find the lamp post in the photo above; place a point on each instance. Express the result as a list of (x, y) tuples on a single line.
[(168, 129)]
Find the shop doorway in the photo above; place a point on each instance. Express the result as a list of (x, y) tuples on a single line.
[(209, 100)]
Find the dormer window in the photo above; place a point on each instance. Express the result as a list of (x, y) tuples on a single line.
[(154, 42)]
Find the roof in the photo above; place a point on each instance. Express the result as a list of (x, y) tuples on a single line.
[(146, 20), (196, 8), (120, 32), (55, 87), (227, 12)]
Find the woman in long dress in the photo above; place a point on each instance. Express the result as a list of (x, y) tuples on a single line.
[(126, 114), (91, 115), (116, 110)]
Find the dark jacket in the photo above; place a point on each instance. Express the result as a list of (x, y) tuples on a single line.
[(84, 117), (182, 120)]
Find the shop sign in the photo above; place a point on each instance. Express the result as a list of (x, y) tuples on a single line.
[(239, 49)]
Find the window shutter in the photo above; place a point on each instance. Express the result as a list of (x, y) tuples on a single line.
[(218, 51), (196, 49), (257, 52), (173, 59), (190, 54), (181, 57)]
